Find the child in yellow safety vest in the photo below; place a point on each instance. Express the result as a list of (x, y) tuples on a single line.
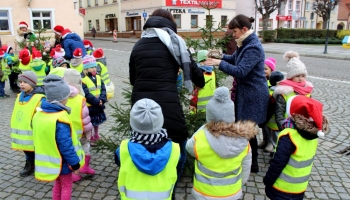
[(221, 150), (26, 102), (295, 84), (148, 159), (201, 96), (102, 70), (77, 61), (79, 117), (290, 168), (2, 74), (58, 151), (10, 65), (95, 94)]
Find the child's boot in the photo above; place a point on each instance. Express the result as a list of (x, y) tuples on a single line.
[(86, 168), (28, 169), (75, 178), (93, 140)]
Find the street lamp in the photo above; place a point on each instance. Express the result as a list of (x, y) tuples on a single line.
[(329, 19)]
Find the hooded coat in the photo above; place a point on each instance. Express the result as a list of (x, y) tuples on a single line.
[(70, 43), (227, 142), (153, 73)]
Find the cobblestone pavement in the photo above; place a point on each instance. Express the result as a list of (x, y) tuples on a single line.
[(331, 171)]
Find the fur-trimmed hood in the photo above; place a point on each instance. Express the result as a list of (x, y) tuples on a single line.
[(307, 127), (286, 89), (229, 140)]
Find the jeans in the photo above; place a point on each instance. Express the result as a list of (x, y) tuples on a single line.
[(30, 156), (2, 89)]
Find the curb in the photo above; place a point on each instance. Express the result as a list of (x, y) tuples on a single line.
[(312, 55), (111, 39)]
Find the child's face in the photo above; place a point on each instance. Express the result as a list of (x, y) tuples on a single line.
[(11, 51), (299, 78), (64, 65), (25, 87), (23, 29), (267, 70), (92, 70)]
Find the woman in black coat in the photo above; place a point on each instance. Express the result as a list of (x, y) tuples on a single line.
[(153, 73)]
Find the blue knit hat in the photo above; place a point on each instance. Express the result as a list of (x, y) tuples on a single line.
[(89, 62)]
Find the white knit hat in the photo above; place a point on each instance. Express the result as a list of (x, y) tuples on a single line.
[(294, 65)]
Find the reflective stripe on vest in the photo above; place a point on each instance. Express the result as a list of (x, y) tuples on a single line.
[(48, 161), (104, 73), (295, 175), (93, 89), (207, 92), (75, 116), (215, 176), (134, 184), (21, 119)]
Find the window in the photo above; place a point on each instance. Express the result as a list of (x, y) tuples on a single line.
[(90, 25), (177, 18), (223, 21), (305, 24), (97, 25), (290, 5), (312, 24), (89, 3), (261, 23), (297, 5), (4, 21), (307, 6), (80, 3), (288, 24), (296, 24), (105, 1), (96, 2), (42, 19), (194, 21)]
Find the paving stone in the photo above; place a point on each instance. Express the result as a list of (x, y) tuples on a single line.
[(321, 195)]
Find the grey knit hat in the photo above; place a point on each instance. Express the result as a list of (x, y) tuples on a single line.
[(56, 89), (146, 117), (294, 65), (29, 77), (221, 107)]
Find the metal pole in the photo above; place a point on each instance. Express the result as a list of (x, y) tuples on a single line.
[(329, 19)]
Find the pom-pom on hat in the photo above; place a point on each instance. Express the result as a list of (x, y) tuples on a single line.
[(56, 89), (202, 55), (65, 32), (275, 77), (98, 53), (307, 107), (271, 62), (146, 117), (221, 107), (29, 77), (22, 25), (24, 56), (294, 66), (58, 29), (78, 52), (89, 62)]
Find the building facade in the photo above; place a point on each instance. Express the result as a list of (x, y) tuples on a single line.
[(131, 15), (35, 12)]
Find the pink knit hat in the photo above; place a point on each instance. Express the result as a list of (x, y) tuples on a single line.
[(271, 62)]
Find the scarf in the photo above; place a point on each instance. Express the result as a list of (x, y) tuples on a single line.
[(302, 88), (176, 46), (148, 139), (243, 37)]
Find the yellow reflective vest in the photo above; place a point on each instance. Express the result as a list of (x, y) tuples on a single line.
[(93, 89), (214, 176), (48, 160), (133, 184), (39, 67), (79, 68), (5, 68), (295, 175), (21, 130), (289, 95), (76, 103), (207, 92), (59, 71), (24, 68), (272, 124), (104, 74)]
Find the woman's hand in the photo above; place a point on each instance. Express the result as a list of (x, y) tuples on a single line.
[(212, 62)]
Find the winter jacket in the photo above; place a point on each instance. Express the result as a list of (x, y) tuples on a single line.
[(150, 163), (85, 111), (63, 140), (285, 148), (228, 142), (153, 72), (247, 66), (24, 98), (70, 43)]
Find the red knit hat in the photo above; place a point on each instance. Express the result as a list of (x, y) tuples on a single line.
[(58, 29), (6, 49), (2, 53), (65, 32), (98, 53), (78, 52), (87, 43), (36, 55), (24, 56), (307, 107), (52, 52), (22, 25)]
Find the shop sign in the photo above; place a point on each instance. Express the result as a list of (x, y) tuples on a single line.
[(286, 18), (196, 11), (110, 15), (193, 3), (177, 10), (132, 13), (82, 11)]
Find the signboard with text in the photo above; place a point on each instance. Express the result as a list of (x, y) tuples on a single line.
[(286, 18), (194, 3)]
